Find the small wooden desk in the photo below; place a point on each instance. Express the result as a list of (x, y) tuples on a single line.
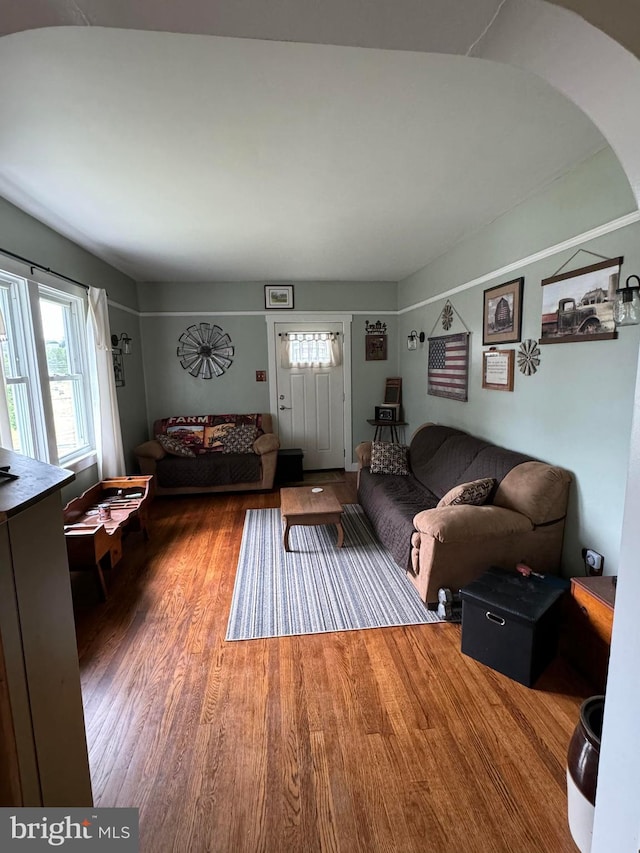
[(303, 506), (92, 542), (390, 425)]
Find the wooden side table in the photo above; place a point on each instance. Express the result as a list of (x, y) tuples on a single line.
[(588, 627), (390, 425)]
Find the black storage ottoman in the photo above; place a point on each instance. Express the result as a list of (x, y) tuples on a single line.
[(511, 623), (289, 467)]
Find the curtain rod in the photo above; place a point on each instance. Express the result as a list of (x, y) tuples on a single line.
[(34, 265)]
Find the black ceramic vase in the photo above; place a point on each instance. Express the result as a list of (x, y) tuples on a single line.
[(582, 771)]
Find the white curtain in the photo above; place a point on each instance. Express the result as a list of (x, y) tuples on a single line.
[(310, 349), (106, 417), (5, 428)]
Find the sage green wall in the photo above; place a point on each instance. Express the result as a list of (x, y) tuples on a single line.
[(238, 308), (25, 236), (576, 410)]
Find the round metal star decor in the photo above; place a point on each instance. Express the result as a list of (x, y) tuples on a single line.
[(205, 350), (447, 316), (528, 357)]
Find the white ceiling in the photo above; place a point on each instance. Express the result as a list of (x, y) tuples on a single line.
[(194, 157)]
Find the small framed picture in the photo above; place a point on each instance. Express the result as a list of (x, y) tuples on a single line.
[(502, 319), (497, 369), (278, 296), (375, 347)]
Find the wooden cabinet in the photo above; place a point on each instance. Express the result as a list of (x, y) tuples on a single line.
[(43, 749), (588, 627)]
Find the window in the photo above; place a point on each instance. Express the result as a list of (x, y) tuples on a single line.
[(45, 367), (310, 349)]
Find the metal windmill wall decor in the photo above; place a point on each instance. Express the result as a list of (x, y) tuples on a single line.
[(528, 357), (205, 350)]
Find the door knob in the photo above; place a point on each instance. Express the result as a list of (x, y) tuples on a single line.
[(284, 407)]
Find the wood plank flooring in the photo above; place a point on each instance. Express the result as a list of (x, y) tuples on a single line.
[(380, 740)]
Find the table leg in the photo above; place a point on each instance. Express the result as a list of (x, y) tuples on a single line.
[(340, 534), (102, 587), (285, 535)]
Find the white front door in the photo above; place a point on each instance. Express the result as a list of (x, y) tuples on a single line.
[(310, 402)]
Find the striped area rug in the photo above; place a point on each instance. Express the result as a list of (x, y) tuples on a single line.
[(317, 587)]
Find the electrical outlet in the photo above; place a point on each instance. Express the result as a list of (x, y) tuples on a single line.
[(594, 562)]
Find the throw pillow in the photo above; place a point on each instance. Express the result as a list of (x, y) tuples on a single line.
[(474, 493), (388, 458), (174, 446), (239, 439)]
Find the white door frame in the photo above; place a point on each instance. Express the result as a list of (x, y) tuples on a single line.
[(314, 317)]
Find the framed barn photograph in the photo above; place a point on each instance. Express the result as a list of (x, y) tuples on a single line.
[(502, 322)]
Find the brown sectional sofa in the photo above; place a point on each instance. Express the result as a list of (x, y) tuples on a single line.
[(210, 469), (522, 521)]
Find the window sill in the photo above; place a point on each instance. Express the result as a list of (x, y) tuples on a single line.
[(81, 463)]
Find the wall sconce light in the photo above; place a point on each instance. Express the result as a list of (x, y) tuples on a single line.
[(125, 340), (413, 338), (626, 308)]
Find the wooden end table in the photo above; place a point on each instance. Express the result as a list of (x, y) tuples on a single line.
[(304, 506)]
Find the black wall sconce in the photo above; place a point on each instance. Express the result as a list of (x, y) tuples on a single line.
[(413, 338), (626, 308), (125, 340)]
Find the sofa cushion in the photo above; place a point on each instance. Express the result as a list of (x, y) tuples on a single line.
[(448, 465), (391, 502), (537, 490), (424, 443), (174, 446), (388, 458), (211, 469), (474, 493), (494, 461), (239, 439)]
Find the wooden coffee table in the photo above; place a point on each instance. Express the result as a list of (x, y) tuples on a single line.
[(303, 505)]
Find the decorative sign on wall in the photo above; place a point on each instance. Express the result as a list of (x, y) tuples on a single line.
[(375, 341), (448, 369), (497, 369), (205, 350)]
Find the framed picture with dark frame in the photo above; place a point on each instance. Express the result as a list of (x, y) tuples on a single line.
[(278, 296), (497, 369), (502, 317), (578, 305), (375, 347)]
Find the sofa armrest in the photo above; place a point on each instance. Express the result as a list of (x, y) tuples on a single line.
[(363, 452), (467, 523), (150, 450), (266, 443)]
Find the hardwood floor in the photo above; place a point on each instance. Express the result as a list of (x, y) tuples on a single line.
[(380, 740)]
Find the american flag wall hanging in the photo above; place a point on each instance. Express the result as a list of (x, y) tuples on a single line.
[(448, 371)]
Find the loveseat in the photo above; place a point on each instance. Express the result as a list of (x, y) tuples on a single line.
[(516, 512), (190, 454)]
